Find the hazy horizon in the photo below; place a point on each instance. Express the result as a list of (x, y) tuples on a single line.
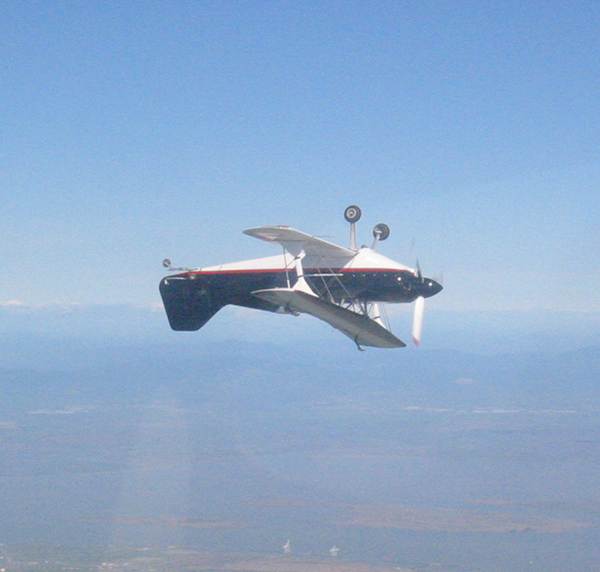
[(402, 459)]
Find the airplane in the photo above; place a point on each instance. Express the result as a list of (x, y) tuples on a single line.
[(344, 287)]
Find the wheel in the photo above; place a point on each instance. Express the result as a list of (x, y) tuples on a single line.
[(383, 230), (352, 213)]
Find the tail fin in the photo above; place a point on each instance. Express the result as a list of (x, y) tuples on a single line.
[(189, 302)]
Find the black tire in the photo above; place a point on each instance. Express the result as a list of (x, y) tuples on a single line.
[(352, 213), (383, 230)]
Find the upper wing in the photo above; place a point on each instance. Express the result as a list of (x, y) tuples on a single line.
[(358, 327), (320, 253)]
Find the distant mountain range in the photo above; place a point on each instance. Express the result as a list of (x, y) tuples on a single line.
[(56, 370)]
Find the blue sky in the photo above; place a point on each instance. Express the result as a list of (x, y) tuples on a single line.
[(133, 131)]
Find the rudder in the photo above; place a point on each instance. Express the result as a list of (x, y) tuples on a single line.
[(189, 303)]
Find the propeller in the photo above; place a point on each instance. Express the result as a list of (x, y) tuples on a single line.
[(418, 320), (419, 311), (419, 273)]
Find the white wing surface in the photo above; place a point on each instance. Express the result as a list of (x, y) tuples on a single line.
[(358, 327), (319, 253)]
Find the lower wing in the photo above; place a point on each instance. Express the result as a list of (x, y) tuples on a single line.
[(358, 327)]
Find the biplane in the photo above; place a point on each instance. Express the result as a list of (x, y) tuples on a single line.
[(344, 287)]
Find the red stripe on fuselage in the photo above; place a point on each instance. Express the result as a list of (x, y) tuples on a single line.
[(306, 271), (246, 271)]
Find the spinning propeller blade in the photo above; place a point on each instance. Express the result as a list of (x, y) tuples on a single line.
[(418, 319)]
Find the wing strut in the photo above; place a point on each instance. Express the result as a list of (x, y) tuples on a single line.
[(301, 284)]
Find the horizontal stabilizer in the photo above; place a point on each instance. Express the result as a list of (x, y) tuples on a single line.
[(358, 327)]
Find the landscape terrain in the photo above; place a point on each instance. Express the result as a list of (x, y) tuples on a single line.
[(189, 454)]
